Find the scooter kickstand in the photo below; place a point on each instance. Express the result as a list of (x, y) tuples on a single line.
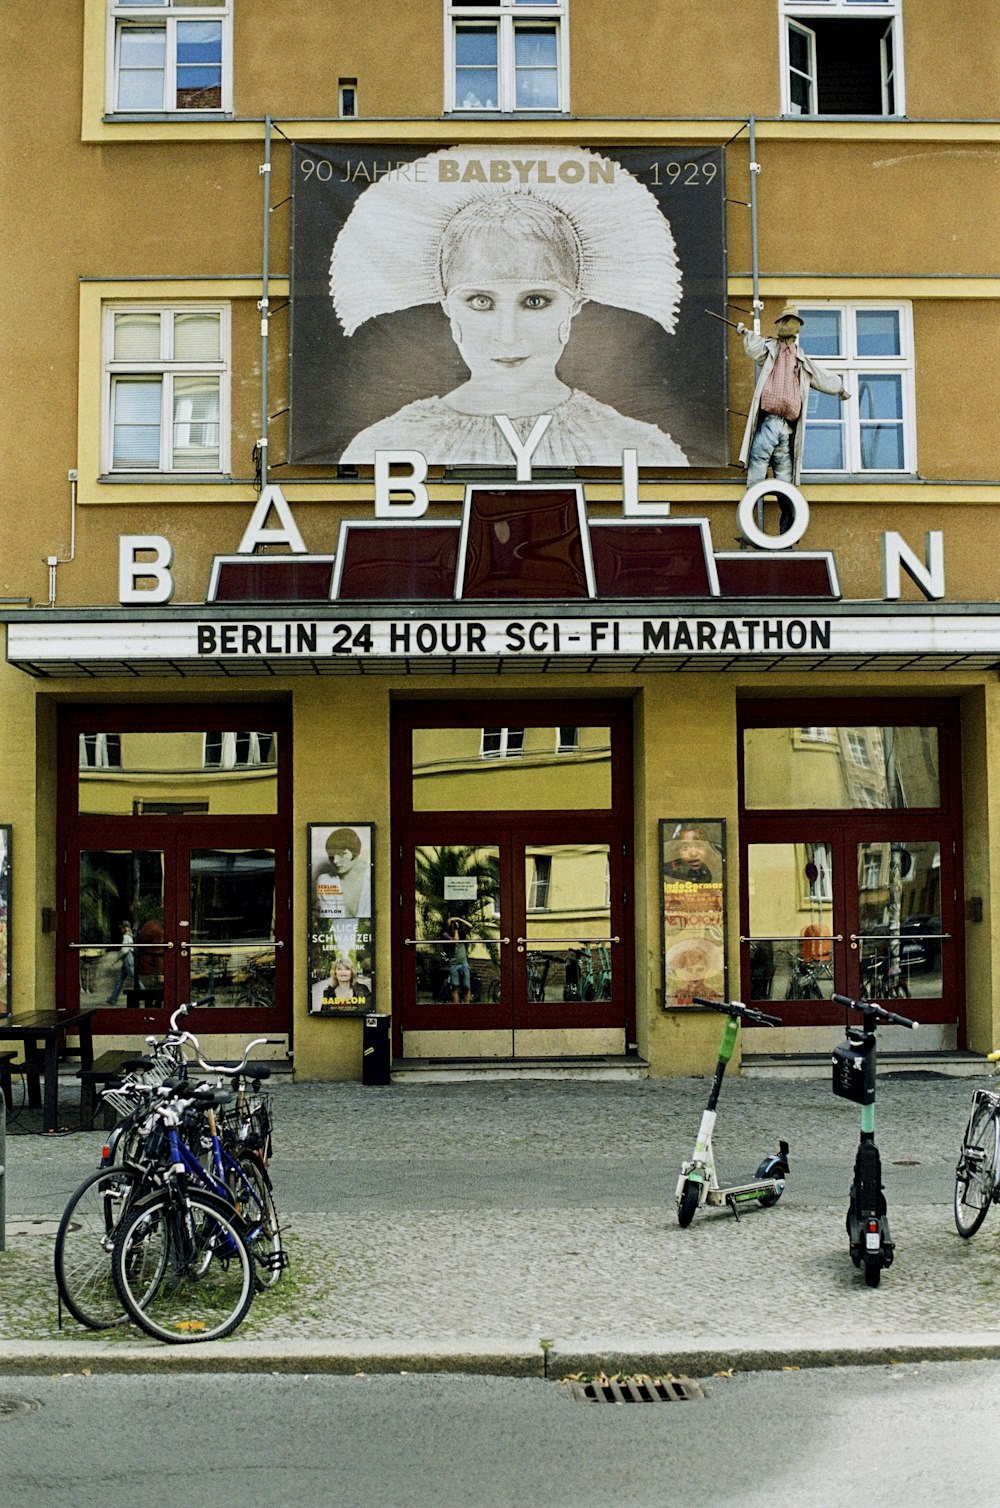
[(731, 1201)]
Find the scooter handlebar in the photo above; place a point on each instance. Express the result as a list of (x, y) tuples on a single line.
[(889, 1017), (737, 1008)]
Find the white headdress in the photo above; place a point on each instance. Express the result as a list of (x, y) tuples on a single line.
[(388, 255)]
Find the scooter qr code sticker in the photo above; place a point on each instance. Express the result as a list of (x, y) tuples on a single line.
[(872, 1240)]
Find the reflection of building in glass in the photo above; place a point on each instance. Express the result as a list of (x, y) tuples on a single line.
[(176, 774), (506, 769), (837, 768)]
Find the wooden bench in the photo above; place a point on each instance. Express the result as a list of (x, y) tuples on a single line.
[(8, 1067), (108, 1066)]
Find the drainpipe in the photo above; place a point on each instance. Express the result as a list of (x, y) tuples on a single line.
[(264, 304), (52, 561)]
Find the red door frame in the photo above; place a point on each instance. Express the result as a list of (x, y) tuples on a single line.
[(513, 829), (176, 836), (844, 829)]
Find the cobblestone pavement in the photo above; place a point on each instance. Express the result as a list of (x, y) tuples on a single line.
[(477, 1221)]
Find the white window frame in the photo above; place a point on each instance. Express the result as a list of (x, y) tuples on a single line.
[(570, 745), (123, 16), (795, 15), (508, 747), (508, 16), (229, 750), (540, 887), (166, 369), (854, 368)]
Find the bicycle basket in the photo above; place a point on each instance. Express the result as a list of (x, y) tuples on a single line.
[(248, 1125)]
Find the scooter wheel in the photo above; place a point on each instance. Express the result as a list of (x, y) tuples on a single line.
[(770, 1168), (688, 1203), (873, 1268)]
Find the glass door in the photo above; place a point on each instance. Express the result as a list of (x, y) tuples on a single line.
[(174, 884), (183, 920), (568, 952), (457, 961), (515, 934), (853, 913)]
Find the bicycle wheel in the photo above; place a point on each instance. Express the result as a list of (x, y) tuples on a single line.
[(84, 1244), (183, 1268), (688, 1203), (974, 1186), (253, 1199)]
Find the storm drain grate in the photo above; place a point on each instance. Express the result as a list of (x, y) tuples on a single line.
[(633, 1390)]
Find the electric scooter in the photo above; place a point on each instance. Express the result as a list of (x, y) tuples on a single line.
[(854, 1079), (698, 1184)]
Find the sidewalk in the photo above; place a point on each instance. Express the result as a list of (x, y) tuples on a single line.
[(514, 1227)]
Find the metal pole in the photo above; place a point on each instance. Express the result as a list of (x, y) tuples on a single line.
[(264, 304), (755, 265)]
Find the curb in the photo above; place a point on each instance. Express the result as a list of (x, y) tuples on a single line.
[(26, 1358)]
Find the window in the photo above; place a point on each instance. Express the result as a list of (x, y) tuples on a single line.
[(231, 751), (502, 743), (167, 394), (169, 56), (100, 751), (506, 55), (857, 745), (874, 429), (347, 94), (841, 57), (541, 879), (567, 740)]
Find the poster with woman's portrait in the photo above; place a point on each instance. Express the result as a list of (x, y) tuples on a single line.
[(693, 873), (341, 923), (432, 291)]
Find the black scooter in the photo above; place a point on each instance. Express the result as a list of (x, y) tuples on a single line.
[(854, 1079)]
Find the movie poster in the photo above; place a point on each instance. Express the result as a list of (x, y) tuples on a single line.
[(432, 291), (341, 926), (693, 869)]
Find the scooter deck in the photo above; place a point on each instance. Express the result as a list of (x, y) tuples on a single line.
[(745, 1193)]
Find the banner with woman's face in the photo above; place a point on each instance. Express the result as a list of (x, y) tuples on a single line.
[(433, 290)]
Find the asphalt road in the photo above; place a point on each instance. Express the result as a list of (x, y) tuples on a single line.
[(912, 1436)]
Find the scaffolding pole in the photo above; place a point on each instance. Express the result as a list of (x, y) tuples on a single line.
[(264, 303)]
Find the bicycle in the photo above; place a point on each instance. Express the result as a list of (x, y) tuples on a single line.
[(181, 1259), (239, 1150), (854, 1064), (697, 1183), (977, 1176)]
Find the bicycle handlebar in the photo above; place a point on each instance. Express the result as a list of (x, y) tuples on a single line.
[(890, 1018), (737, 1008)]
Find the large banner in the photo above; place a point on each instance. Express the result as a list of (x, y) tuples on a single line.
[(432, 291)]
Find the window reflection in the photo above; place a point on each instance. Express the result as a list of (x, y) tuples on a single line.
[(457, 922), (568, 943), (511, 769), (841, 768), (791, 920), (178, 774), (899, 911)]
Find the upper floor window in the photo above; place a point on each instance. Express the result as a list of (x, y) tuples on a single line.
[(506, 55), (169, 55), (100, 751), (872, 346), (167, 389), (502, 743), (567, 740), (233, 751), (842, 57)]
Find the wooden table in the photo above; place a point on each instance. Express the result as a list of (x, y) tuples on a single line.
[(41, 1033)]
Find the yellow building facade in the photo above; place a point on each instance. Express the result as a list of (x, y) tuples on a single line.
[(372, 465)]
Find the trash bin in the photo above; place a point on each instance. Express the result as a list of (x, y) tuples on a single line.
[(376, 1050)]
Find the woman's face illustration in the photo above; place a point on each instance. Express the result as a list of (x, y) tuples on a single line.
[(510, 327)]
